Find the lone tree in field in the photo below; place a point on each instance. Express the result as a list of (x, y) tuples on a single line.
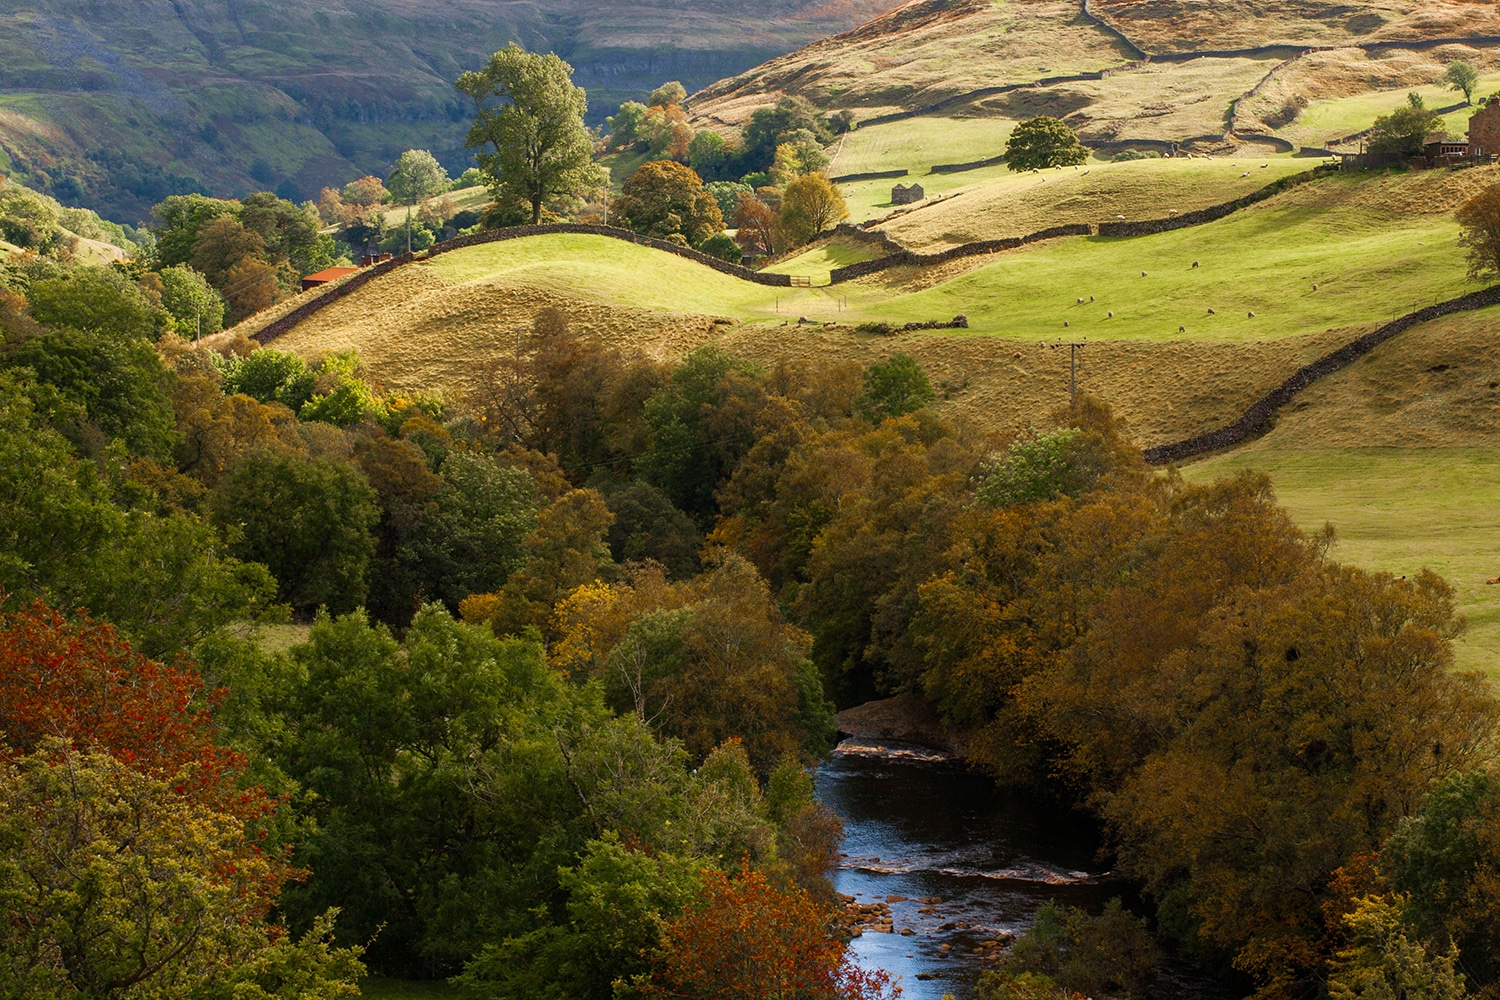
[(1404, 130), (417, 177), (809, 205), (1462, 77), (528, 133), (1479, 218), (1044, 142), (666, 199)]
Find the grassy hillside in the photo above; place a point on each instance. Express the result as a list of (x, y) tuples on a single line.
[(114, 107), (1017, 204), (1399, 453)]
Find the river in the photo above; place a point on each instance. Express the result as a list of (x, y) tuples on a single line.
[(966, 864)]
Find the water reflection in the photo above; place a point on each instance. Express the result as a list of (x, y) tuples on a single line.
[(966, 865)]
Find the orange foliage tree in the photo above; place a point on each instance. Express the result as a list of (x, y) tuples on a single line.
[(747, 939)]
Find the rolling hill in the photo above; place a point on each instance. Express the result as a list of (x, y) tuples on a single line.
[(114, 106)]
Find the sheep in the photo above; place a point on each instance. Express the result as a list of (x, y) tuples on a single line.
[(1182, 329), (1065, 323), (1245, 174), (1111, 314), (1080, 300), (1016, 356), (1315, 286), (1252, 314), (1091, 298), (1143, 274), (1120, 217), (1211, 311), (1195, 263), (1264, 166)]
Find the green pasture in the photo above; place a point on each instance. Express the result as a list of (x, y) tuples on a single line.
[(917, 143), (1327, 120), (1398, 510), (1369, 266), (462, 199), (1018, 204), (819, 262)]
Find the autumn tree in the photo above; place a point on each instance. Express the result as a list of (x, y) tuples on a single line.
[(132, 855), (1043, 142), (809, 205), (755, 225), (666, 200), (1479, 224), (528, 133), (894, 387), (747, 939), (195, 307)]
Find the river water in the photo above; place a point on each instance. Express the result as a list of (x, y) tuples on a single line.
[(973, 863)]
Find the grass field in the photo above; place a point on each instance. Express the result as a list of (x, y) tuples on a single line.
[(918, 143), (1398, 510), (1400, 453), (818, 262), (1017, 204), (1328, 120), (462, 199)]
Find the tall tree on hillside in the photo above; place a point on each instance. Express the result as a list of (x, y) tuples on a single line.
[(417, 177), (528, 133), (1462, 77), (1404, 130), (810, 205)]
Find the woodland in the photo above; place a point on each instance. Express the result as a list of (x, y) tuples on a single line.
[(304, 680)]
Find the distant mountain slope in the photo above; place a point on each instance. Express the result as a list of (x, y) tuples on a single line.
[(115, 103), (1149, 73)]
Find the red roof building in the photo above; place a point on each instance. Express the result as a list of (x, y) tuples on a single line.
[(326, 275)]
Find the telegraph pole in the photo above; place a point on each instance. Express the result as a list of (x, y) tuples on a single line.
[(1073, 350)]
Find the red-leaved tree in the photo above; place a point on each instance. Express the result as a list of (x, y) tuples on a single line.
[(81, 683), (746, 939)]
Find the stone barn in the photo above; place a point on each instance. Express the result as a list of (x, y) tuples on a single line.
[(907, 194), (1484, 131)]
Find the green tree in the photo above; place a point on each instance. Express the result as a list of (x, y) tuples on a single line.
[(666, 95), (665, 200), (768, 126), (309, 522), (809, 205), (95, 300), (1043, 142), (1384, 962), (1404, 130), (485, 510), (179, 220), (528, 133), (289, 232), (195, 307), (894, 387), (709, 154), (416, 177), (163, 580), (1463, 77), (798, 153)]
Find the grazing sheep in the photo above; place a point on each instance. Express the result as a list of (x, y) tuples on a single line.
[(1016, 356), (1119, 216), (1080, 300), (1143, 274), (1111, 314), (1211, 311), (1091, 298), (1245, 174), (1195, 263), (1065, 322), (1182, 329), (1085, 173), (1264, 166), (1171, 211), (1252, 314), (1315, 286)]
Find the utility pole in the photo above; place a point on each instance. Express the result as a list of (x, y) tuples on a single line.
[(1073, 350)]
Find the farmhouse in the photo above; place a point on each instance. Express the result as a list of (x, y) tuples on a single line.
[(907, 194), (1484, 131)]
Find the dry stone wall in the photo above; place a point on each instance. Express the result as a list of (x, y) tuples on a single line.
[(1259, 416)]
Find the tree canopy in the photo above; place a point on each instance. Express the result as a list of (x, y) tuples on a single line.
[(1042, 142), (528, 134)]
